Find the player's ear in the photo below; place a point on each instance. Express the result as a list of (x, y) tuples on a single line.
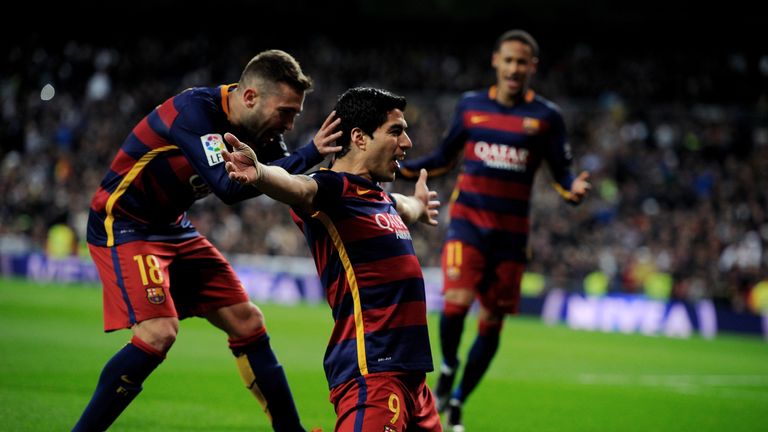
[(250, 96), (358, 138), (534, 64)]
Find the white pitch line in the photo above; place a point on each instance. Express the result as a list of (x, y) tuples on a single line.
[(673, 380), (729, 386)]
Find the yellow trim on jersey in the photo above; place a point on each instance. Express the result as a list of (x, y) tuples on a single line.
[(454, 196), (563, 193), (437, 172), (434, 172), (408, 173), (123, 186), (362, 363)]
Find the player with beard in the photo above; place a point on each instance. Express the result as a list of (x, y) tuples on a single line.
[(156, 269)]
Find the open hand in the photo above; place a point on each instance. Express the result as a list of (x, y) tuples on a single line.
[(325, 138), (428, 198), (580, 187), (242, 164)]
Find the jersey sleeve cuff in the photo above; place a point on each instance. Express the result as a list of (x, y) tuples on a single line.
[(310, 153)]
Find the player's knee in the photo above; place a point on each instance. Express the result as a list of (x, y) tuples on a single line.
[(159, 333), (254, 320), (460, 297), (490, 318), (165, 337), (487, 328), (238, 320), (247, 319), (455, 310)]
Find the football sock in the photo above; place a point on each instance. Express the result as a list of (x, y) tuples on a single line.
[(118, 385), (451, 327), (266, 380), (483, 350)]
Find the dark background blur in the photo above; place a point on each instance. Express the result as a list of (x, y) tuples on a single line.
[(666, 104)]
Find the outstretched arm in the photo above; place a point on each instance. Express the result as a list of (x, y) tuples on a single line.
[(580, 187), (421, 206), (558, 155), (444, 158), (243, 167)]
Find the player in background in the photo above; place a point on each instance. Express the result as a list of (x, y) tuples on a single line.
[(156, 269), (378, 353), (503, 133)]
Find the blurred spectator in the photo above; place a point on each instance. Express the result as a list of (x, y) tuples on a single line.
[(61, 241)]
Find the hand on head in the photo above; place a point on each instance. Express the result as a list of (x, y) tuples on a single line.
[(326, 137)]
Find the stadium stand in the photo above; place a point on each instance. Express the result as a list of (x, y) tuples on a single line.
[(677, 143)]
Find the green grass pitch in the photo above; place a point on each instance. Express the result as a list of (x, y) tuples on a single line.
[(544, 378)]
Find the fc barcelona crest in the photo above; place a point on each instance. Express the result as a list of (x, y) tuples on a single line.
[(531, 125), (388, 428), (156, 295)]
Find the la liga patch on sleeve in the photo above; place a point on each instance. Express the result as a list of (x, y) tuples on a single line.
[(213, 144)]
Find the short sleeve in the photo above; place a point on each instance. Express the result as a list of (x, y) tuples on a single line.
[(330, 186)]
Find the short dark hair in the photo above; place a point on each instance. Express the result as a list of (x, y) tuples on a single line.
[(518, 35), (365, 108), (276, 66)]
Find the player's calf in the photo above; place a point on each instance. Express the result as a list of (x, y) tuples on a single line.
[(265, 379), (119, 383)]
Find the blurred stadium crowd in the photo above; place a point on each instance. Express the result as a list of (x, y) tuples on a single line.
[(677, 144)]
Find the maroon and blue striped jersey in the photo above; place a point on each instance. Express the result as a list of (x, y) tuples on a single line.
[(172, 158), (502, 149), (372, 279)]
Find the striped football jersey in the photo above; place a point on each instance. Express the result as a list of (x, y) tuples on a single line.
[(502, 148), (172, 158), (372, 279)]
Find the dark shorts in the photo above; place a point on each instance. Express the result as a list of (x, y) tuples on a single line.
[(144, 280), (495, 281), (385, 402)]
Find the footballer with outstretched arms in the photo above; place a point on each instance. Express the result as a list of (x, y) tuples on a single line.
[(379, 351)]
